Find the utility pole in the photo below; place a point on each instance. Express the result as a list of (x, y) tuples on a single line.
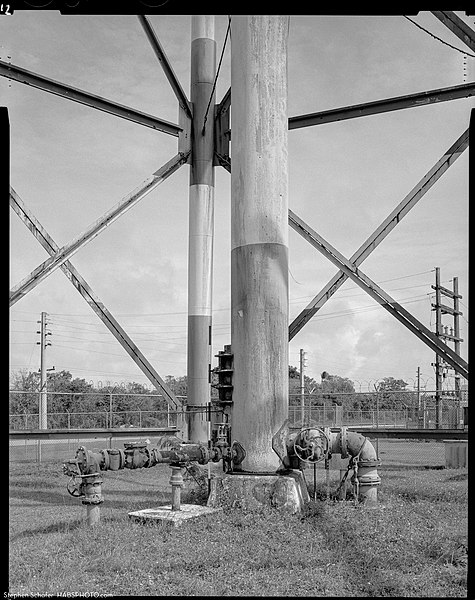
[(441, 332), (201, 225), (303, 364), (456, 333), (43, 343), (420, 417), (438, 360), (259, 239)]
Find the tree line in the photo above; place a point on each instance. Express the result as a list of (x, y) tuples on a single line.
[(74, 394)]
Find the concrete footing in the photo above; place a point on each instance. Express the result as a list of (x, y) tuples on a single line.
[(173, 517), (254, 491)]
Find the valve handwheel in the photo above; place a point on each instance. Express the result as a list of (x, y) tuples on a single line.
[(311, 445)]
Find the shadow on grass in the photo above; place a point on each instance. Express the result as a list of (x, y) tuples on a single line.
[(458, 477), (59, 527), (57, 498)]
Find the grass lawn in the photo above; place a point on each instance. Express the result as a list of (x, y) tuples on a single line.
[(413, 544)]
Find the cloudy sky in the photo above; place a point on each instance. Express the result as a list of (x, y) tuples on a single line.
[(70, 164)]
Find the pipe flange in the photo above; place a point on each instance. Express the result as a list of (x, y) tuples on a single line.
[(93, 500), (105, 460), (344, 442), (238, 454), (369, 479), (204, 455), (369, 463), (116, 459)]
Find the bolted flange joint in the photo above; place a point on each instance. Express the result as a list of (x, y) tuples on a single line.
[(91, 488), (371, 479), (137, 455)]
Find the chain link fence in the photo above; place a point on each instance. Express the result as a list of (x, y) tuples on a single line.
[(410, 410)]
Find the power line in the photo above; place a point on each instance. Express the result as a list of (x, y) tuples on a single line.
[(439, 39), (216, 76), (107, 353)]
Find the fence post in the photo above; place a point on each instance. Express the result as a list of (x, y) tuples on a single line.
[(110, 410)]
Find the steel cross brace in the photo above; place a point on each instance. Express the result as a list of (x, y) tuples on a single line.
[(457, 26), (76, 95), (166, 66), (365, 109), (382, 231), (97, 306), (384, 299), (64, 253)]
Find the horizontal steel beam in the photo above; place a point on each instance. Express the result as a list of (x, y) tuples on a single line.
[(62, 434), (412, 434), (457, 26), (65, 91), (402, 433), (381, 106), (166, 66), (382, 231), (55, 261), (97, 306), (384, 299)]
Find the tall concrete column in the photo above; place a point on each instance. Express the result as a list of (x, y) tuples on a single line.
[(201, 224), (259, 236)]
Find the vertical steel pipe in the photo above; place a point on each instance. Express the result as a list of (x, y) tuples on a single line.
[(259, 236), (176, 481), (201, 225)]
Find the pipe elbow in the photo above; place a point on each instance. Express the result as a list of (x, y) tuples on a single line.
[(359, 444), (349, 443)]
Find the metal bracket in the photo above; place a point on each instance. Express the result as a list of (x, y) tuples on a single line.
[(222, 135)]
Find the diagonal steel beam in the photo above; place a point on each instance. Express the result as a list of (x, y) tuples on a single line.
[(97, 306), (457, 26), (382, 231), (384, 299), (381, 106), (63, 254), (166, 66), (225, 103), (60, 89)]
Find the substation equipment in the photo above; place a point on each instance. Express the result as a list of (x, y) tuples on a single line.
[(253, 436)]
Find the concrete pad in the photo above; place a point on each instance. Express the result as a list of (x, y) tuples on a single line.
[(174, 517), (253, 491)]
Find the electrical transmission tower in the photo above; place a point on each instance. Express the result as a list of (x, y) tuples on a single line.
[(447, 335)]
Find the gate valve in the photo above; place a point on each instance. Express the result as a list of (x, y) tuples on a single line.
[(311, 445)]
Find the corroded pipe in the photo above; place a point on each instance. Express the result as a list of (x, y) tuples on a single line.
[(349, 443), (313, 445)]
